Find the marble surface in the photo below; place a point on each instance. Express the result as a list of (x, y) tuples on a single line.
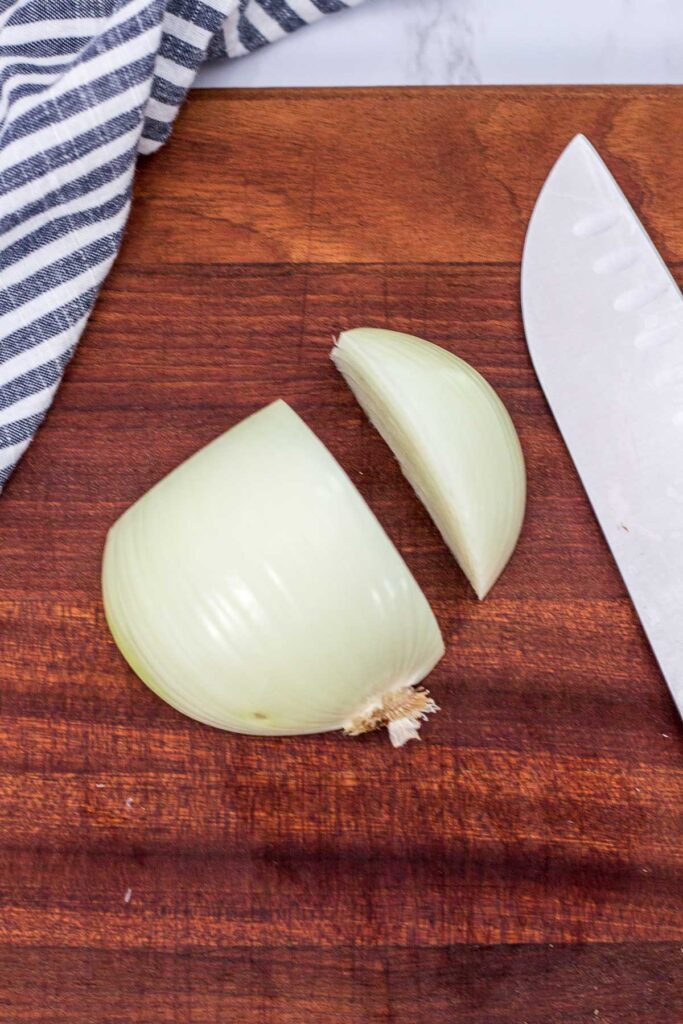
[(440, 42)]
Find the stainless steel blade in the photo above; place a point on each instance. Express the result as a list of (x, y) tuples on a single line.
[(604, 324)]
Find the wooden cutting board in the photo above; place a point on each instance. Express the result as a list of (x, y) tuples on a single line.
[(523, 863)]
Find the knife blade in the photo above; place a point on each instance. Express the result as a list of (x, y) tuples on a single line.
[(603, 318)]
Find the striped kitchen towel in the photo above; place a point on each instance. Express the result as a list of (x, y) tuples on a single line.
[(85, 86)]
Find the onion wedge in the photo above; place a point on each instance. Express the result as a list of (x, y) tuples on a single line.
[(453, 438), (254, 590)]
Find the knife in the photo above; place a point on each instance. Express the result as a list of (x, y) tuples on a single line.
[(604, 324)]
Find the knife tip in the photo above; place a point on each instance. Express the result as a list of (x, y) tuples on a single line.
[(580, 140), (581, 147)]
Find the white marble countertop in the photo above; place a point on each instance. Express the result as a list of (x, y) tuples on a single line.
[(442, 42)]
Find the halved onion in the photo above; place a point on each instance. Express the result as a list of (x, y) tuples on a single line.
[(254, 590), (453, 437)]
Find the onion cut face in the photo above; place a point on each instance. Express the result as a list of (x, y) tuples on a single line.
[(254, 590), (453, 438)]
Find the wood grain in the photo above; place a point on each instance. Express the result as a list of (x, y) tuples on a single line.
[(579, 984), (524, 862)]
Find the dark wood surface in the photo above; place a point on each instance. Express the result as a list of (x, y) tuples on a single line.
[(524, 862)]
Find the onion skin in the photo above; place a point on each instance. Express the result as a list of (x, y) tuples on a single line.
[(254, 590), (453, 438)]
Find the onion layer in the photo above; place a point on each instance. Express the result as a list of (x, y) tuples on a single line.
[(254, 590), (453, 437)]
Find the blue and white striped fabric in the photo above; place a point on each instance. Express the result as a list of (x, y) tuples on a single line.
[(86, 85)]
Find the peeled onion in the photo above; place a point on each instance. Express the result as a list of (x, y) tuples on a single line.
[(453, 438), (254, 590)]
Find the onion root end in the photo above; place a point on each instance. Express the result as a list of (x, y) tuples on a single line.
[(402, 711)]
